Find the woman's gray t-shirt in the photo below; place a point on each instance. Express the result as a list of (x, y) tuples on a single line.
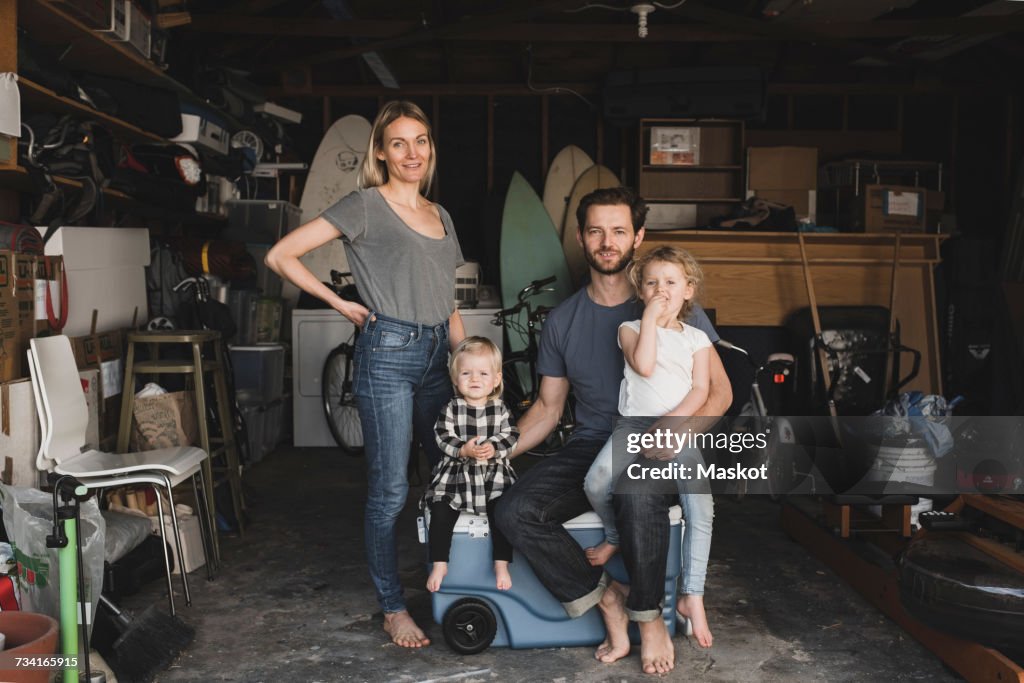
[(399, 272)]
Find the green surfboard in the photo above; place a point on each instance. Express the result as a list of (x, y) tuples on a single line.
[(530, 250)]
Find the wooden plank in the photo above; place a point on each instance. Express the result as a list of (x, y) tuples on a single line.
[(880, 587), (1005, 509), (8, 36), (42, 98), (849, 269), (622, 32)]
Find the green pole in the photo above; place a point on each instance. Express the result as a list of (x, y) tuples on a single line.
[(68, 559)]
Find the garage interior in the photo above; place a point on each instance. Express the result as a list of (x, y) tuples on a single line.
[(816, 156)]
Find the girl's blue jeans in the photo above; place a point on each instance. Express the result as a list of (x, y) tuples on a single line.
[(401, 383), (698, 508)]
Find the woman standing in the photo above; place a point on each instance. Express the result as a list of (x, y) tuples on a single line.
[(403, 253)]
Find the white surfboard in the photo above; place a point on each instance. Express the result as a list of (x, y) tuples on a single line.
[(332, 175), (568, 165)]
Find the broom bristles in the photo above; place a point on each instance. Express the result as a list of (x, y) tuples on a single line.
[(149, 645)]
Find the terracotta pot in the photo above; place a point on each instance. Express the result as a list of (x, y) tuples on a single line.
[(28, 635)]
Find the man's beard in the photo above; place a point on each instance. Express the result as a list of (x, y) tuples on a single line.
[(616, 267)]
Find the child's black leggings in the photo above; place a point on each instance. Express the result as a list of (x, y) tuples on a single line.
[(442, 526)]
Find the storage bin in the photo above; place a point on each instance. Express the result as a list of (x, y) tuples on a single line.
[(273, 425), (268, 320), (258, 372), (254, 429), (267, 281), (260, 221), (242, 303)]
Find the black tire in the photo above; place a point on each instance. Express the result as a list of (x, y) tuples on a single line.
[(469, 626), (339, 404)]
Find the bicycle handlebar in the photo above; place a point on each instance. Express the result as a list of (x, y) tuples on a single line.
[(535, 287)]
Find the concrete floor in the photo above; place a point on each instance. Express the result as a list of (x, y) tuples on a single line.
[(293, 602)]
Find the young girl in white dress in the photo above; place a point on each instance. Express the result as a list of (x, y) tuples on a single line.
[(667, 373)]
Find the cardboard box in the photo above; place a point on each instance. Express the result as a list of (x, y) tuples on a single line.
[(102, 353), (788, 175), (49, 278), (19, 428), (888, 208), (191, 540), (17, 313), (106, 272), (8, 151), (19, 434), (782, 168)]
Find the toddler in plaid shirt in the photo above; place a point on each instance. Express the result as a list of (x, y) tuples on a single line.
[(476, 437)]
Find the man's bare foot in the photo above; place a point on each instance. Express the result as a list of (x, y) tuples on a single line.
[(613, 611), (656, 652), (692, 607), (501, 572), (437, 574), (600, 554), (403, 630)]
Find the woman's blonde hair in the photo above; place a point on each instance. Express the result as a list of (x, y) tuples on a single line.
[(477, 346), (680, 257), (374, 171)]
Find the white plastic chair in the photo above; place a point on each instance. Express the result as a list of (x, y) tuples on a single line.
[(63, 417)]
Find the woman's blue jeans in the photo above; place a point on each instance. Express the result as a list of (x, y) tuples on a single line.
[(401, 384), (698, 508)]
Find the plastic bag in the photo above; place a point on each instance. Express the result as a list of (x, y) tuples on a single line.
[(28, 518)]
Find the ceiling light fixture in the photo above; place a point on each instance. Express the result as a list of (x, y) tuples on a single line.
[(642, 9)]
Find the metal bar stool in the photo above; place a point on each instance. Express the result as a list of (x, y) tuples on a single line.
[(226, 448)]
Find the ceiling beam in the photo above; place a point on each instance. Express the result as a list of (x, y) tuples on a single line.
[(623, 32), (445, 32), (499, 89), (792, 31)]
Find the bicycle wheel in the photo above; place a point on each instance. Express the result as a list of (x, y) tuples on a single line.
[(519, 401), (339, 403)]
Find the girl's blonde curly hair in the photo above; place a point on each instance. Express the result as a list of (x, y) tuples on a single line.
[(680, 257)]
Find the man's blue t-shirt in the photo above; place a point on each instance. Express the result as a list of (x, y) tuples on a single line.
[(580, 342)]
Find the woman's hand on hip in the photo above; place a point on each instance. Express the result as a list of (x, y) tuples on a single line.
[(357, 313)]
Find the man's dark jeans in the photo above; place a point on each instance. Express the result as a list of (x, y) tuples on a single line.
[(531, 514)]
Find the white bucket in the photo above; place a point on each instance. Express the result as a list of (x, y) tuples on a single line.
[(909, 465)]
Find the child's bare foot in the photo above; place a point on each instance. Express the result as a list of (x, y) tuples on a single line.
[(501, 572), (692, 607), (404, 631), (600, 554), (437, 574), (613, 612)]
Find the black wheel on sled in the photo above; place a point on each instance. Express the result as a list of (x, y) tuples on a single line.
[(469, 626)]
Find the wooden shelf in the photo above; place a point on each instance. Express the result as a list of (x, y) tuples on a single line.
[(718, 180), (696, 200), (695, 167), (18, 177), (42, 98), (87, 50)]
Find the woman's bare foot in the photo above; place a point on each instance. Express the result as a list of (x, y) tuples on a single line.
[(403, 630), (613, 611), (692, 607), (501, 572), (656, 652), (437, 574), (600, 554)]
